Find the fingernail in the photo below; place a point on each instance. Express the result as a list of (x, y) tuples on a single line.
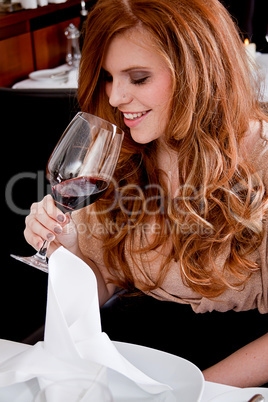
[(61, 218), (39, 245), (57, 230), (50, 236)]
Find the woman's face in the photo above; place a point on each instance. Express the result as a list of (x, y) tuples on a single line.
[(139, 84)]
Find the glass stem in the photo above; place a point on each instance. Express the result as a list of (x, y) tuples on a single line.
[(41, 255)]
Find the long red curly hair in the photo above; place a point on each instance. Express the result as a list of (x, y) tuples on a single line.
[(215, 96)]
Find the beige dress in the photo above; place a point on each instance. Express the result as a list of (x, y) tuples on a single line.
[(255, 292)]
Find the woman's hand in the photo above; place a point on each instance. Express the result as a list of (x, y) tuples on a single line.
[(47, 222)]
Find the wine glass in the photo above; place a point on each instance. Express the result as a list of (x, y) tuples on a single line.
[(80, 169)]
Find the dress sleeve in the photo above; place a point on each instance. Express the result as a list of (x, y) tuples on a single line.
[(90, 232), (263, 159)]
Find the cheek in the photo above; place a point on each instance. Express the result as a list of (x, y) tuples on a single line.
[(162, 94), (167, 93)]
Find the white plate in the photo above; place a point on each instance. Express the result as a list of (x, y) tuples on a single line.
[(184, 377), (240, 395), (50, 74)]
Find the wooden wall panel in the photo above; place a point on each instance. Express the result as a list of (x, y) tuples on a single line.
[(16, 59), (50, 44)]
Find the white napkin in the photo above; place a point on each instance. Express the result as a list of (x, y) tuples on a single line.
[(74, 346)]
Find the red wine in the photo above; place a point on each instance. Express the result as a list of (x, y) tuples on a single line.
[(79, 192)]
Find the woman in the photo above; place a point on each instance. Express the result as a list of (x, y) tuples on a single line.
[(186, 218)]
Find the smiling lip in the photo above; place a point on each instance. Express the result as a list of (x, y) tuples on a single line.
[(133, 119)]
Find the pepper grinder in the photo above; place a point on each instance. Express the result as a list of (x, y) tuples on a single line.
[(73, 54)]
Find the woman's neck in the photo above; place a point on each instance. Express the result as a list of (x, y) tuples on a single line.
[(167, 162)]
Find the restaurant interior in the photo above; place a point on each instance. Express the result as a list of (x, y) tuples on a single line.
[(35, 109)]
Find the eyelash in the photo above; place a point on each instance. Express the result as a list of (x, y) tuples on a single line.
[(140, 81)]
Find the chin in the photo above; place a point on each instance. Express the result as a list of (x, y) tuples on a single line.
[(141, 138)]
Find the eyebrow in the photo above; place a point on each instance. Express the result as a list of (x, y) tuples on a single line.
[(135, 68)]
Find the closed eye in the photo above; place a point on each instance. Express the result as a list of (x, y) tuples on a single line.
[(139, 81), (135, 77), (138, 76)]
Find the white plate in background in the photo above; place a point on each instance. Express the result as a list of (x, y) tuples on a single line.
[(50, 74)]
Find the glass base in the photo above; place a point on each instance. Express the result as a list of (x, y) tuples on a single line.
[(36, 261)]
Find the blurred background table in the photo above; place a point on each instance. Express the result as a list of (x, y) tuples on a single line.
[(34, 39), (65, 77)]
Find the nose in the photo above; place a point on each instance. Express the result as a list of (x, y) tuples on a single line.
[(118, 94)]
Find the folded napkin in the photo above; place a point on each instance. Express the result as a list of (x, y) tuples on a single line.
[(74, 345)]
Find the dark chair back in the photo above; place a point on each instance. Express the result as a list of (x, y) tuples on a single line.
[(32, 121)]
